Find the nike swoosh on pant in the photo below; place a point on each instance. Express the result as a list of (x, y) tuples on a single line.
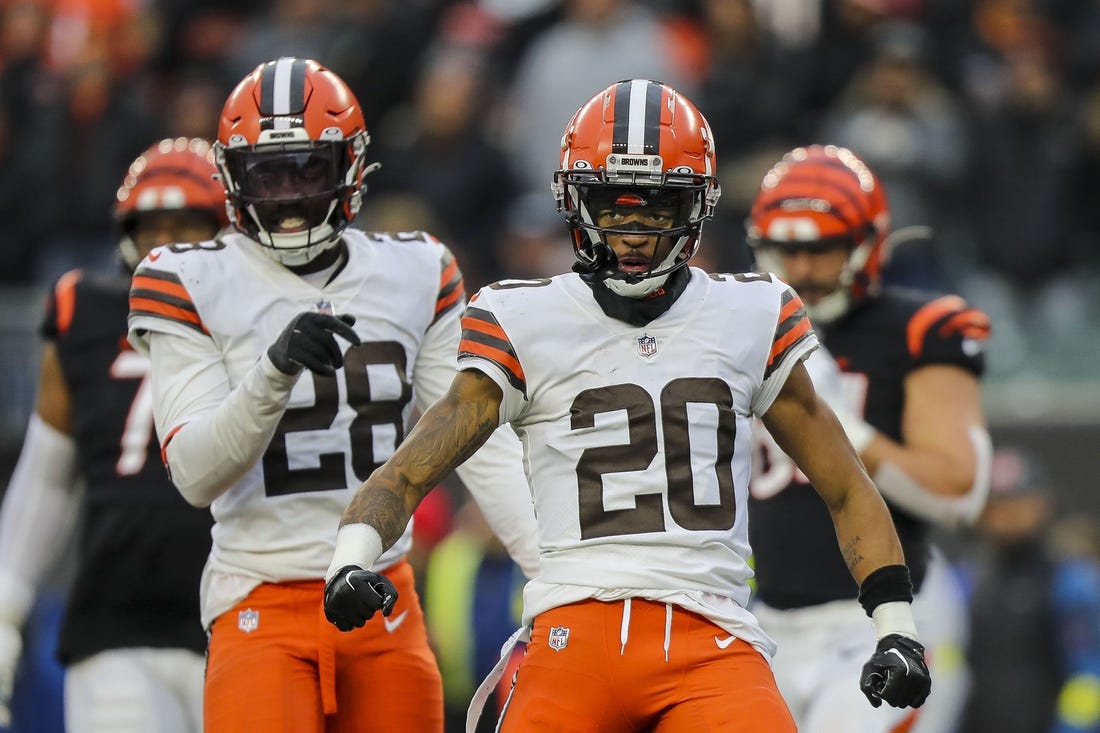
[(723, 643), (393, 623)]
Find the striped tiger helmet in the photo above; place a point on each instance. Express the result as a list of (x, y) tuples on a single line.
[(820, 197), (643, 140), (172, 175), (290, 149)]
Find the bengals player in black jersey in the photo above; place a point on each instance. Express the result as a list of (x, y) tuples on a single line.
[(905, 385), (130, 640)]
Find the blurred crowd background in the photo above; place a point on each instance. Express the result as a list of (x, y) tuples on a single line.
[(982, 117)]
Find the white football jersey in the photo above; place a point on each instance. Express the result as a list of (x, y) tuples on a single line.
[(637, 439), (278, 522)]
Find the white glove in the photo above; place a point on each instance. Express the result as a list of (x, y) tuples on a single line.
[(11, 646)]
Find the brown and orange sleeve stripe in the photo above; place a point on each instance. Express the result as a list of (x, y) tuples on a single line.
[(161, 294), (792, 328), (952, 315), (452, 288), (483, 337)]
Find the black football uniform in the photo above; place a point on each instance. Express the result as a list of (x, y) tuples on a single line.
[(876, 345), (141, 547)]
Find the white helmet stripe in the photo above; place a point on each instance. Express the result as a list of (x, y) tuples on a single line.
[(635, 136), (282, 91)]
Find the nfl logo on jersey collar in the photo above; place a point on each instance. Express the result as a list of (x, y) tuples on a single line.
[(248, 620), (647, 345), (559, 638)]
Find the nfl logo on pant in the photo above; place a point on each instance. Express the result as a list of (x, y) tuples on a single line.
[(559, 638), (248, 620)]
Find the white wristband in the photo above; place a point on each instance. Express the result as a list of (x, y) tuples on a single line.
[(859, 432), (356, 544), (894, 617)]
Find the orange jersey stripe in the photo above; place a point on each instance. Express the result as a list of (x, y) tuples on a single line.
[(65, 298), (495, 355), (780, 345), (447, 300), (926, 317), (789, 308), (489, 329), (174, 289), (164, 310), (448, 274)]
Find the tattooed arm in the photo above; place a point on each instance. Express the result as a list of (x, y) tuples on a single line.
[(448, 433), (808, 431)]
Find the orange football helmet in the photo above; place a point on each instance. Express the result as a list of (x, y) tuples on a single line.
[(290, 149), (171, 175), (645, 137), (823, 196)]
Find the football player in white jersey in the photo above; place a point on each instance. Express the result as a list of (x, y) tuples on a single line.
[(905, 385), (632, 383), (287, 356)]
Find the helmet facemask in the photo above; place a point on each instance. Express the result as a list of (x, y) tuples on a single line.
[(686, 200), (295, 198)]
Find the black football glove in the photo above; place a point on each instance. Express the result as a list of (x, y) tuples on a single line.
[(308, 341), (896, 673), (354, 594)]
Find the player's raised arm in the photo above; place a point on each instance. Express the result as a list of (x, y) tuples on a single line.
[(448, 433)]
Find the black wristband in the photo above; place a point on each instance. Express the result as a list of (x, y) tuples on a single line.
[(888, 583)]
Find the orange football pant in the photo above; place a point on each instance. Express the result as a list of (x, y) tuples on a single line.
[(604, 678), (276, 665)]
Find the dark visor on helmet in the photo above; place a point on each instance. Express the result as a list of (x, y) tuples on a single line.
[(286, 172), (274, 175), (631, 203), (289, 188)]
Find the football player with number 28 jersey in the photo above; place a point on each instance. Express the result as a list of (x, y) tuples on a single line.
[(287, 356), (130, 639), (632, 383), (905, 387)]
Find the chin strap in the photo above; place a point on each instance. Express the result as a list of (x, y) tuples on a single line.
[(602, 266)]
